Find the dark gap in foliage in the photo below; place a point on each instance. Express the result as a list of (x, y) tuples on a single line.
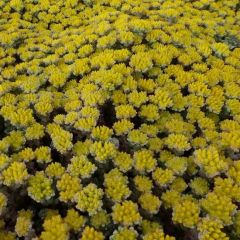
[(17, 58), (162, 134), (188, 153), (225, 114), (33, 167), (78, 136), (46, 140), (124, 144), (2, 127), (187, 68), (168, 226), (198, 132), (57, 157), (184, 91), (108, 115), (137, 121), (174, 61)]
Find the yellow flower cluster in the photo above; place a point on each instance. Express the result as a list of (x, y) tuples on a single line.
[(54, 170), (7, 235), (199, 186), (139, 65), (100, 220), (82, 147), (161, 98), (178, 165), (143, 183), (179, 185), (123, 161), (24, 224), (81, 166), (122, 127), (40, 187), (227, 187), (74, 220), (149, 226), (116, 187), (62, 139), (211, 229), (157, 234), (3, 202), (170, 198), (126, 213), (89, 199), (125, 111), (43, 154), (34, 132), (103, 151), (150, 203), (68, 186), (237, 224), (144, 161), (177, 142), (163, 177), (118, 116), (54, 228), (102, 133), (15, 174), (220, 207), (186, 212), (137, 137), (17, 117), (124, 233), (210, 161), (90, 233)]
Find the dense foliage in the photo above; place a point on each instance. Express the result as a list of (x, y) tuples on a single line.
[(120, 119)]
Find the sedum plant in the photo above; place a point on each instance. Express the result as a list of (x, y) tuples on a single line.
[(119, 119)]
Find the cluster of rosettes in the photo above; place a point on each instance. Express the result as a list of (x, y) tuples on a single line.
[(119, 119)]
